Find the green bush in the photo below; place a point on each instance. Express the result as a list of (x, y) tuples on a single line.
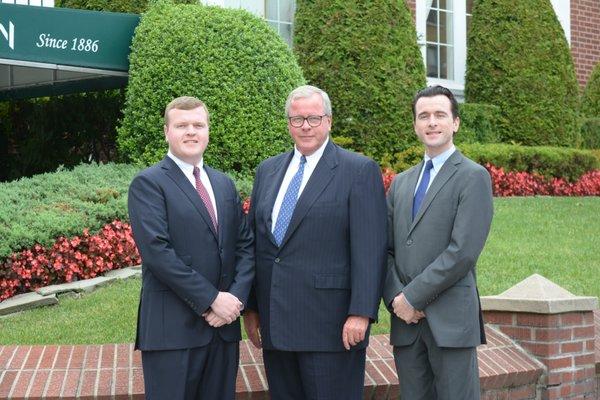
[(231, 60), (590, 133), (78, 128), (550, 162), (125, 6), (43, 207), (558, 162), (590, 103), (519, 60), (364, 54), (479, 123)]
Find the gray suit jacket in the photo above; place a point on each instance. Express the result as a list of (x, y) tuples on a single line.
[(432, 259)]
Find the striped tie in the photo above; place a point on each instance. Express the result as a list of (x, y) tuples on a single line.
[(205, 198)]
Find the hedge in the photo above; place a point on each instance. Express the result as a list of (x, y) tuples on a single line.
[(590, 102), (39, 209), (519, 60), (590, 133), (125, 6), (78, 128), (364, 54), (230, 59), (478, 123), (550, 162)]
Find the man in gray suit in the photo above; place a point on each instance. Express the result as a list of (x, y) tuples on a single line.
[(439, 214)]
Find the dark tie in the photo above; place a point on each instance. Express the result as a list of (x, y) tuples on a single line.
[(205, 198), (422, 189), (288, 204)]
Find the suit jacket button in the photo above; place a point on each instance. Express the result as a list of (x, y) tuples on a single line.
[(277, 260), (409, 242)]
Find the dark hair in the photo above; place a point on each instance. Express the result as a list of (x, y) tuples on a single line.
[(432, 91)]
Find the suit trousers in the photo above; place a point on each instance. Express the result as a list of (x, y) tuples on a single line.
[(315, 375), (208, 372), (429, 372)]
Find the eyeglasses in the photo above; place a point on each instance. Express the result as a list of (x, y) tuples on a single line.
[(313, 121)]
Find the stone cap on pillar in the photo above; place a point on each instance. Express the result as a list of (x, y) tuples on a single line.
[(539, 295)]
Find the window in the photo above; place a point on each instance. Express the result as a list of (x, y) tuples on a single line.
[(280, 15), (438, 40)]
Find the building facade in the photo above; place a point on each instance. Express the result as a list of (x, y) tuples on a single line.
[(442, 27)]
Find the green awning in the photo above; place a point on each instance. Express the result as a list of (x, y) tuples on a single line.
[(51, 51)]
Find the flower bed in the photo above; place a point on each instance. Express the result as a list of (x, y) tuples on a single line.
[(80, 257)]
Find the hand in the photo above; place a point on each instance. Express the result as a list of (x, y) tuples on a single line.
[(213, 319), (252, 327), (405, 311), (227, 307), (354, 330)]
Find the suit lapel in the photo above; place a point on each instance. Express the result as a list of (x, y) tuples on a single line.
[(320, 178), (219, 191), (409, 193), (448, 169), (175, 173), (274, 178)]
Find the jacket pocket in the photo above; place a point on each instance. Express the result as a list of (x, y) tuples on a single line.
[(330, 281)]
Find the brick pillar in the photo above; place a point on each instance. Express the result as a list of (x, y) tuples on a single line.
[(555, 327)]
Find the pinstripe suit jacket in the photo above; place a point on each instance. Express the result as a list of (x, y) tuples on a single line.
[(331, 261)]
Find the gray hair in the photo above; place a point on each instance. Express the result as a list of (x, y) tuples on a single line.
[(304, 92)]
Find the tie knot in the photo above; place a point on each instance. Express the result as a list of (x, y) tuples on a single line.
[(196, 172), (303, 159), (428, 165)]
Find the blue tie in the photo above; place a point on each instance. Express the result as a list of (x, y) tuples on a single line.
[(288, 204), (422, 189)]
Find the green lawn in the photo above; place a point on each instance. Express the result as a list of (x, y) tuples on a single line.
[(557, 237)]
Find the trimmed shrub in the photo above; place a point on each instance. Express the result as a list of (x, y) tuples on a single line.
[(125, 6), (590, 133), (365, 56), (231, 60), (37, 210), (479, 123), (549, 162), (590, 102), (519, 60)]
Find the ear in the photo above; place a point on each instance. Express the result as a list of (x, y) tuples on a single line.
[(165, 129), (456, 124)]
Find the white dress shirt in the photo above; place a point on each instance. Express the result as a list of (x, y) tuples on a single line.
[(309, 167), (188, 171), (438, 162)]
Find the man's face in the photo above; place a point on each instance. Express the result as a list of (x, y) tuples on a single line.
[(434, 124), (307, 138), (187, 134)]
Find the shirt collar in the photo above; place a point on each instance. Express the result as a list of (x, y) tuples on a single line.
[(314, 157), (440, 159), (185, 167)]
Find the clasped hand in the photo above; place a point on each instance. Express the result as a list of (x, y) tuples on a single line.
[(405, 311), (224, 310)]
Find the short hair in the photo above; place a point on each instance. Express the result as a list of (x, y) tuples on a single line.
[(432, 91), (185, 103), (304, 92)]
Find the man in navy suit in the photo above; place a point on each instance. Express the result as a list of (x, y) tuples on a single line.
[(318, 213), (197, 266)]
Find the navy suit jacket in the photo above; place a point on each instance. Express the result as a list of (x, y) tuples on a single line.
[(185, 263), (332, 258)]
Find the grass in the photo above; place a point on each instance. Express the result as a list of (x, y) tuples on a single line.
[(557, 237)]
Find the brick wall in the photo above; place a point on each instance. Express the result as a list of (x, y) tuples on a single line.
[(564, 343), (585, 37)]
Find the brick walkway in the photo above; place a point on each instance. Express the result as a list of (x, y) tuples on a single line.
[(113, 371)]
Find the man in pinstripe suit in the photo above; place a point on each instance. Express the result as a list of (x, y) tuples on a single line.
[(319, 217)]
